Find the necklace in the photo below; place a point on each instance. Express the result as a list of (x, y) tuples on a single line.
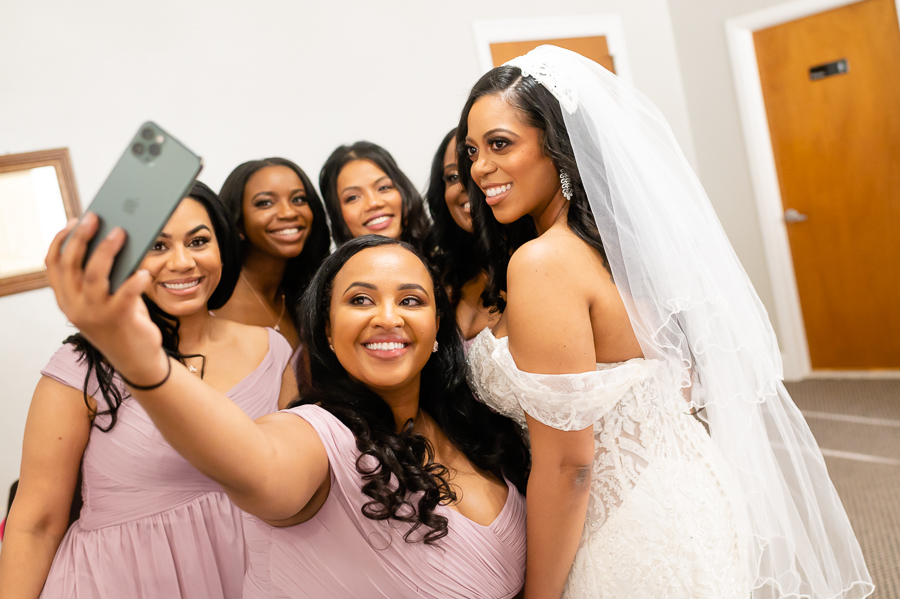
[(193, 369), (277, 326)]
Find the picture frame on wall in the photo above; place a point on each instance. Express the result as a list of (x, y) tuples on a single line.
[(37, 197)]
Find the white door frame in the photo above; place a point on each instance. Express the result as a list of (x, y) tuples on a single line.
[(763, 174), (523, 30)]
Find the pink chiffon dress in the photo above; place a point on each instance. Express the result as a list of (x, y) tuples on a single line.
[(152, 525), (339, 553)]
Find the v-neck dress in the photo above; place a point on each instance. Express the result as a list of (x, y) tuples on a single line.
[(152, 525), (339, 553)]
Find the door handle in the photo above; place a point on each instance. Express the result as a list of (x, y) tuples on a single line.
[(792, 215)]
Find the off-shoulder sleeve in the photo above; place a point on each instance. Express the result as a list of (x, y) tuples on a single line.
[(562, 401)]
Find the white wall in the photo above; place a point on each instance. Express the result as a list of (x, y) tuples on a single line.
[(236, 81)]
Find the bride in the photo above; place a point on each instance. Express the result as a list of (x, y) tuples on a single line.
[(626, 317)]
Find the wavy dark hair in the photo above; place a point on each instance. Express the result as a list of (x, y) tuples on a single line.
[(490, 441), (539, 109), (229, 251), (415, 222), (300, 269), (450, 247)]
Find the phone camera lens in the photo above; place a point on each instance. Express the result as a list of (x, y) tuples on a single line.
[(147, 133), (153, 149), (138, 149)]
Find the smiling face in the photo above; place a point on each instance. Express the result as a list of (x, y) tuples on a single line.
[(184, 261), (508, 161), (370, 203), (383, 321), (277, 218), (454, 194)]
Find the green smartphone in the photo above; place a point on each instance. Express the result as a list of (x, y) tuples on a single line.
[(144, 188)]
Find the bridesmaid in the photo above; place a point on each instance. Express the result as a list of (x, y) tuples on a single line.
[(390, 481), (451, 242), (366, 193), (152, 525), (284, 240)]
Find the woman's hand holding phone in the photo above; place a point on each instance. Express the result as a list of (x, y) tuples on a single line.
[(118, 325)]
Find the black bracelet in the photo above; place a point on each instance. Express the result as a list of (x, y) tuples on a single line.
[(150, 387)]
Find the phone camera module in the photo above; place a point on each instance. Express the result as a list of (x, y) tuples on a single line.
[(148, 133), (138, 149), (154, 149)]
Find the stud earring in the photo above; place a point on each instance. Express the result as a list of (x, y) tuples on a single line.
[(434, 349), (331, 346), (566, 185)]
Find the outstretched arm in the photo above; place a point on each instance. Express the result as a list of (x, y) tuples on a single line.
[(550, 333), (270, 468)]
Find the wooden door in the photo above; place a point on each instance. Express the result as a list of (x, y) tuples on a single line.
[(836, 141), (594, 48)]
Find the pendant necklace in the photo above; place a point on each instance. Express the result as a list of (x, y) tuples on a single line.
[(277, 326), (193, 369)]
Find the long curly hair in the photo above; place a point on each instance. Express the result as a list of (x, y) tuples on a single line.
[(229, 252), (415, 221), (497, 242), (490, 441), (300, 269), (449, 247)]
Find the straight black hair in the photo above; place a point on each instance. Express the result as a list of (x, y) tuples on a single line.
[(449, 247), (404, 465), (541, 110), (229, 252), (300, 269), (414, 221)]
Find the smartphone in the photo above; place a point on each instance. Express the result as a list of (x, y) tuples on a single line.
[(144, 188)]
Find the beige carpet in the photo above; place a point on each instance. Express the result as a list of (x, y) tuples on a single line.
[(857, 425)]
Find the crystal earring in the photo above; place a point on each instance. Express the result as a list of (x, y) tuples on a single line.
[(434, 349), (566, 185)]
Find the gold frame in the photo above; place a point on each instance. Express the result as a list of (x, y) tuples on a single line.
[(59, 159)]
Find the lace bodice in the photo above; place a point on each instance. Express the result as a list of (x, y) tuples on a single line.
[(634, 407), (660, 520)]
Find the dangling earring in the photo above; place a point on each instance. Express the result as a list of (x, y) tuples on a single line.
[(434, 349), (566, 185)]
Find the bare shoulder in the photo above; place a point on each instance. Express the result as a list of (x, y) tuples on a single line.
[(548, 310), (549, 251), (557, 257)]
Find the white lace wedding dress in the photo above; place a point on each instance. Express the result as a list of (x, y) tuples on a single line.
[(660, 521)]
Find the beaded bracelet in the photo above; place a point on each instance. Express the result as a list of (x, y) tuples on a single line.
[(150, 387)]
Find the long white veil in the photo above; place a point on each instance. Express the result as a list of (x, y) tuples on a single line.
[(692, 305)]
